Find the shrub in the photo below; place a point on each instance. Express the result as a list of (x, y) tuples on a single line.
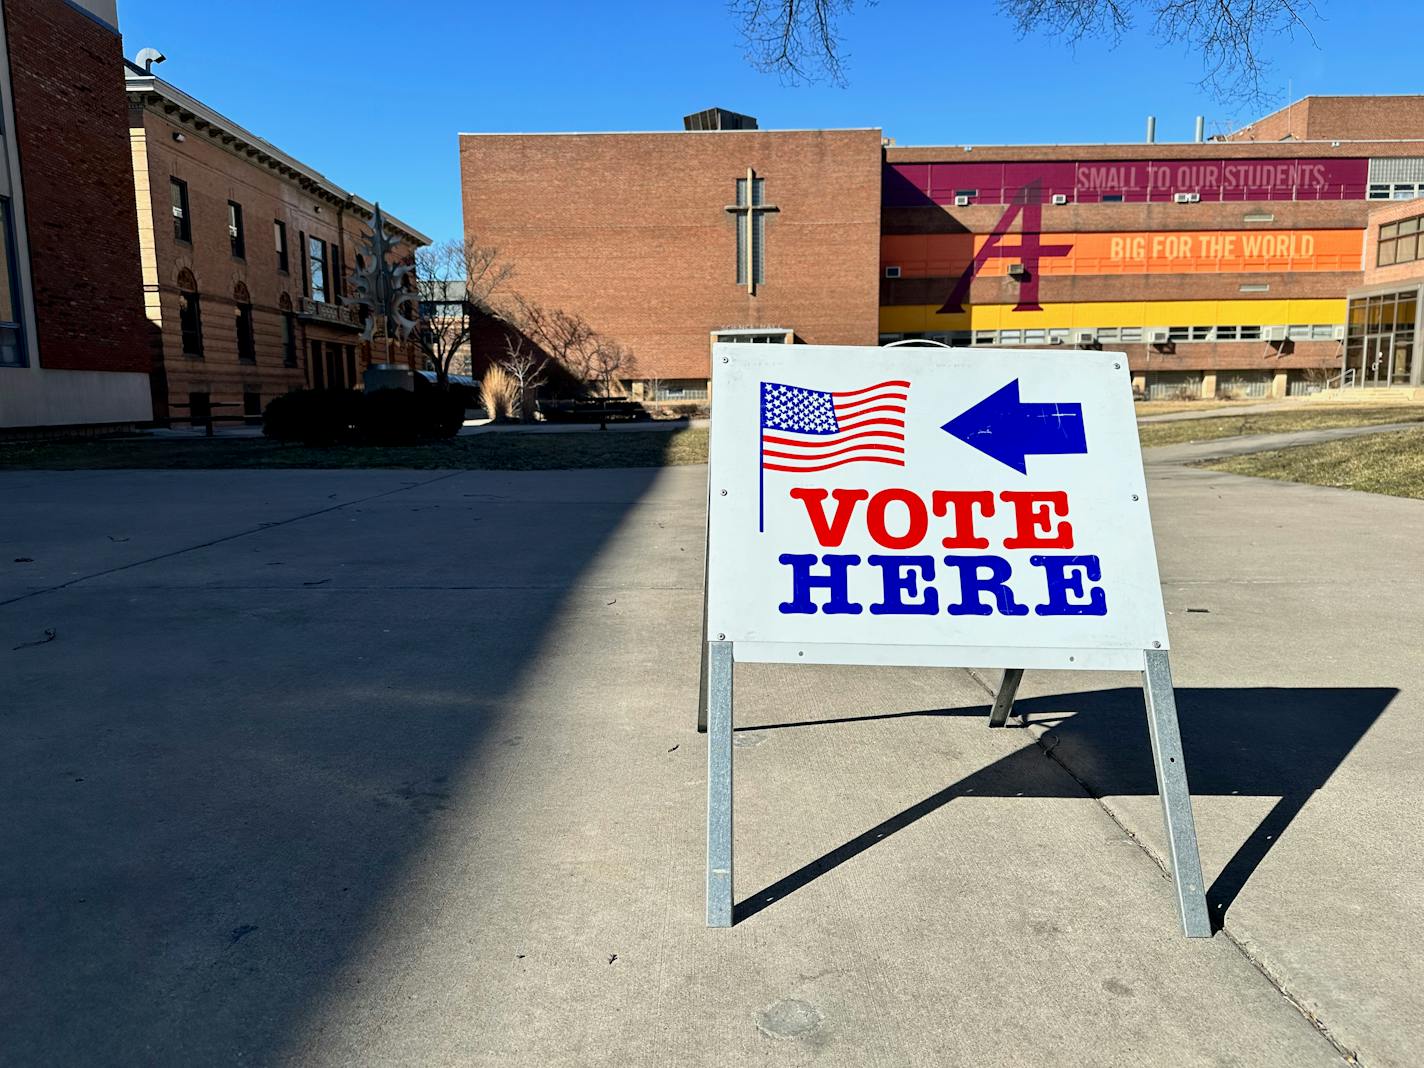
[(392, 417), (314, 416), (498, 393)]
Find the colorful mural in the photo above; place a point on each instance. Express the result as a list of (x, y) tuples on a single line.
[(1131, 181), (1134, 252), (920, 318)]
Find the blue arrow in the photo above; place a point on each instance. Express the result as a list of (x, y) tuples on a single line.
[(1005, 428)]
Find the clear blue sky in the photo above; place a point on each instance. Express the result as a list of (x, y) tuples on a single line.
[(374, 100)]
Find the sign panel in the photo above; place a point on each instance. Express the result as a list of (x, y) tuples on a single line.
[(922, 506)]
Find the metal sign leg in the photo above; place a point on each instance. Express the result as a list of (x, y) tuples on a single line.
[(1176, 798), (1004, 699), (719, 785)]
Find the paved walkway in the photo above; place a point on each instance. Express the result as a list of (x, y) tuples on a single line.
[(372, 767), (1196, 451)]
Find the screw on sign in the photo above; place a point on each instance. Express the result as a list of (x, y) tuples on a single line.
[(965, 510)]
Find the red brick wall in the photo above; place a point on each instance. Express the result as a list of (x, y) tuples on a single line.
[(71, 129), (1408, 274), (1340, 118), (630, 231)]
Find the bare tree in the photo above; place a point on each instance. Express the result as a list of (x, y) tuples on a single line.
[(565, 337), (458, 283), (612, 361), (798, 39), (526, 368)]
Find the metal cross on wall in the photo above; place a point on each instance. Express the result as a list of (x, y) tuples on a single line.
[(750, 210)]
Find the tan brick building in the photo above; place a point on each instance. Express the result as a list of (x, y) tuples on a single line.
[(73, 339), (245, 254)]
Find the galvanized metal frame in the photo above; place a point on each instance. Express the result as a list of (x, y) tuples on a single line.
[(1176, 797), (715, 717), (1004, 699), (719, 784)]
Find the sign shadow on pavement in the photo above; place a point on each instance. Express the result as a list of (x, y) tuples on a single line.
[(1269, 742)]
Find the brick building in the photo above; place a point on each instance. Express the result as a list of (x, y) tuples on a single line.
[(1221, 267), (74, 346), (245, 255), (667, 242)]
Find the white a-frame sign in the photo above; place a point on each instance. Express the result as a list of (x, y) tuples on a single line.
[(932, 507)]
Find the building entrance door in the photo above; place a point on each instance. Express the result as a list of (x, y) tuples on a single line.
[(1379, 355)]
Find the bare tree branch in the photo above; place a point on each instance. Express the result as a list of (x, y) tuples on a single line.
[(457, 282), (798, 39)]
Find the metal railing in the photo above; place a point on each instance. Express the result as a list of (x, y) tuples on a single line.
[(1343, 380)]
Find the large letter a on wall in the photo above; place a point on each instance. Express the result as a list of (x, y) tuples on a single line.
[(1028, 202)]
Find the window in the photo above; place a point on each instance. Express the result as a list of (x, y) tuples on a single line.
[(1250, 333), (985, 337), (1107, 333), (279, 236), (1112, 198), (246, 342), (234, 229), (182, 223), (751, 226), (1395, 190), (1132, 333), (966, 192), (1035, 337), (1226, 333), (1399, 241), (316, 268), (289, 340), (252, 405), (190, 321), (1179, 333), (1009, 337), (1298, 332), (1201, 333), (12, 336)]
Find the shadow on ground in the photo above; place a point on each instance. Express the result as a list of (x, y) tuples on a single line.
[(1243, 741), (216, 778)]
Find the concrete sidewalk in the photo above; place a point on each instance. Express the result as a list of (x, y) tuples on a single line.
[(1196, 451), (375, 766)]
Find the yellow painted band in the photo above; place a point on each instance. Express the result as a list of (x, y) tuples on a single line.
[(919, 318)]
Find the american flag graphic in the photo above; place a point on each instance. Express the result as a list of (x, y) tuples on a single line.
[(805, 430), (813, 430)]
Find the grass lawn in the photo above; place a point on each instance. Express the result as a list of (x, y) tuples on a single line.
[(1168, 407), (1380, 463), (487, 452), (1276, 422)]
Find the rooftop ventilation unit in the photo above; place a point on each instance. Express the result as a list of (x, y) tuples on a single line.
[(961, 201), (1060, 198), (718, 119), (1087, 339), (1018, 272), (1161, 337), (1187, 198), (1275, 333)]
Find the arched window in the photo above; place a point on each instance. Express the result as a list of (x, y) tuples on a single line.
[(190, 315), (246, 339)]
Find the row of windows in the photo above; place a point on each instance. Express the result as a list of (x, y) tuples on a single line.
[(190, 322), (322, 266), (1128, 335), (1377, 191), (1399, 242), (1396, 190)]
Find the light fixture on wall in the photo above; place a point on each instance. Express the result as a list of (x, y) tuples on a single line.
[(178, 137)]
